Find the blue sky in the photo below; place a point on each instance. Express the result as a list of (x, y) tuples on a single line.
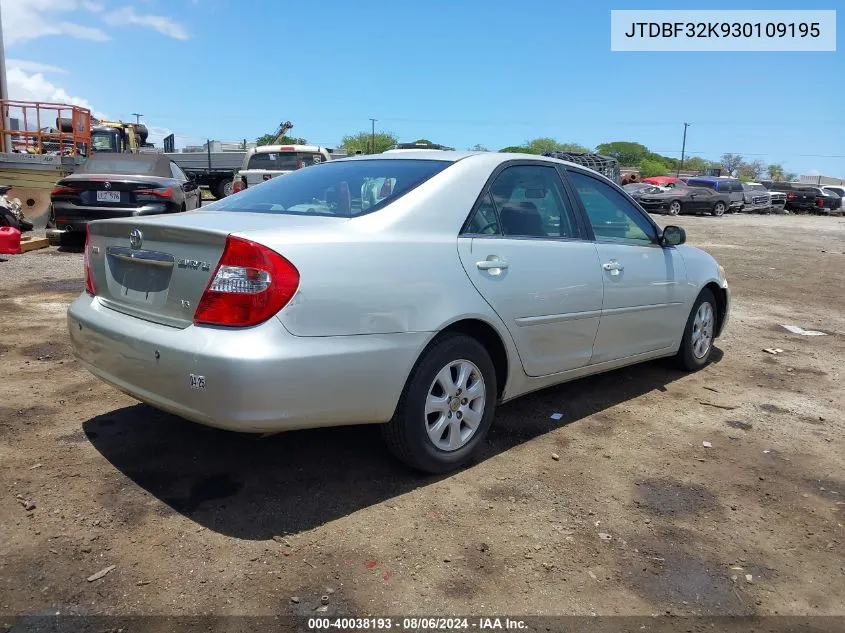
[(460, 73)]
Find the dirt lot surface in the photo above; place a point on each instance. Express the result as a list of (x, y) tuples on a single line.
[(637, 516)]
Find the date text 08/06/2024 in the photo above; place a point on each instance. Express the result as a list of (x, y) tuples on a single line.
[(417, 624)]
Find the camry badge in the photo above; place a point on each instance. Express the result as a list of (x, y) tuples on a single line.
[(136, 238), (107, 185)]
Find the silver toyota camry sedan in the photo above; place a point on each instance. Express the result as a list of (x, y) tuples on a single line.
[(416, 290)]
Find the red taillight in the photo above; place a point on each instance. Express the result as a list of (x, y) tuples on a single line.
[(158, 192), (790, 195), (300, 164), (820, 202), (250, 284), (63, 190), (238, 185), (89, 274)]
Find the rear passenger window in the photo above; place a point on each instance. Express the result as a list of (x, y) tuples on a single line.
[(530, 202), (484, 221)]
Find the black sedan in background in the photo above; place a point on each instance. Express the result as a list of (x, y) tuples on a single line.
[(827, 201), (116, 186), (686, 200)]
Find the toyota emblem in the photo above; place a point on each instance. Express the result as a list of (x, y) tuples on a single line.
[(136, 238), (107, 185)]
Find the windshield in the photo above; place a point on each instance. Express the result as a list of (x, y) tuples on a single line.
[(104, 141), (336, 188), (285, 161)]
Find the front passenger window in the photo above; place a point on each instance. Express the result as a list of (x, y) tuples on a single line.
[(612, 217)]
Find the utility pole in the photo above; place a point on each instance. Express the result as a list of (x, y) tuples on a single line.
[(5, 141), (373, 141), (137, 118), (683, 149)]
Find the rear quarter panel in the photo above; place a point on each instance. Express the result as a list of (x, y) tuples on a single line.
[(394, 270)]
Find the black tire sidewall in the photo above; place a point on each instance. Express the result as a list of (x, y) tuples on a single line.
[(716, 206), (685, 353), (425, 455)]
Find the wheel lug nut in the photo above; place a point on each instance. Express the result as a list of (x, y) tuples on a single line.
[(459, 415), (450, 414), (464, 401), (459, 391)]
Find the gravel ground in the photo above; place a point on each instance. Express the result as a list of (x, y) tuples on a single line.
[(636, 516)]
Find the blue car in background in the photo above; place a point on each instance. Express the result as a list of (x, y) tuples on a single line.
[(722, 184)]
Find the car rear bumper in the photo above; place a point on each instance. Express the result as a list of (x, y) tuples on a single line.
[(259, 379), (72, 217)]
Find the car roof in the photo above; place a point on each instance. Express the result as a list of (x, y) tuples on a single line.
[(286, 147), (457, 155)]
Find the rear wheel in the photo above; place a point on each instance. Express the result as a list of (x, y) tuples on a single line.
[(699, 334), (223, 188), (675, 207), (446, 408), (719, 209)]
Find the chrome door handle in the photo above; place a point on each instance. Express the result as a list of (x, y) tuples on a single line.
[(613, 266), (491, 264)]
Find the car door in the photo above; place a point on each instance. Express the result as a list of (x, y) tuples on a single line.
[(190, 189), (645, 291), (526, 251), (702, 199)]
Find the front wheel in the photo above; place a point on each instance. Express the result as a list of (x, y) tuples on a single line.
[(446, 408), (699, 333), (675, 207), (719, 209)]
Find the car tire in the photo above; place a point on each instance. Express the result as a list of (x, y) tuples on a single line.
[(419, 438), (699, 334), (223, 188), (675, 207), (719, 209)]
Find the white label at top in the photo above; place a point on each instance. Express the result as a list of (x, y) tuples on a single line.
[(723, 30)]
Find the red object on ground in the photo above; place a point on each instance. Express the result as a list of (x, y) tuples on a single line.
[(10, 240), (660, 180)]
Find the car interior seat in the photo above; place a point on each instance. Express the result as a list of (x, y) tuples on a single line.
[(522, 218)]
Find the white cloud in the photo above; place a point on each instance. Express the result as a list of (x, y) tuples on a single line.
[(160, 23), (25, 20), (94, 7), (26, 87), (34, 67)]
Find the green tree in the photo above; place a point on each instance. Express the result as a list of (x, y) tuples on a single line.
[(731, 163), (696, 163), (790, 176), (362, 141), (423, 141), (776, 172), (751, 171), (650, 167), (546, 144), (478, 148), (627, 153), (516, 149), (267, 139)]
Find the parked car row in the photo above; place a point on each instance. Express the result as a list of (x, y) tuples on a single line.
[(718, 195)]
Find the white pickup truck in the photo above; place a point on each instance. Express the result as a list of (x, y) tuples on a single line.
[(268, 161)]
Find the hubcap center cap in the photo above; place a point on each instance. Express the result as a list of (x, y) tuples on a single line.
[(454, 404)]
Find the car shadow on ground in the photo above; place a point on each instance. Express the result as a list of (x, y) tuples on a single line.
[(253, 487)]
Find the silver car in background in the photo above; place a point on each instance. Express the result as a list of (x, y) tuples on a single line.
[(416, 290)]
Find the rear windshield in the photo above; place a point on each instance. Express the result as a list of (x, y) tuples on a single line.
[(709, 184), (335, 188), (117, 165), (283, 160)]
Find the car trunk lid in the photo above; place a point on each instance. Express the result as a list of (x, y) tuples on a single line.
[(157, 268), (112, 191)]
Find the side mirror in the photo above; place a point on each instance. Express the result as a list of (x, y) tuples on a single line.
[(673, 236)]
